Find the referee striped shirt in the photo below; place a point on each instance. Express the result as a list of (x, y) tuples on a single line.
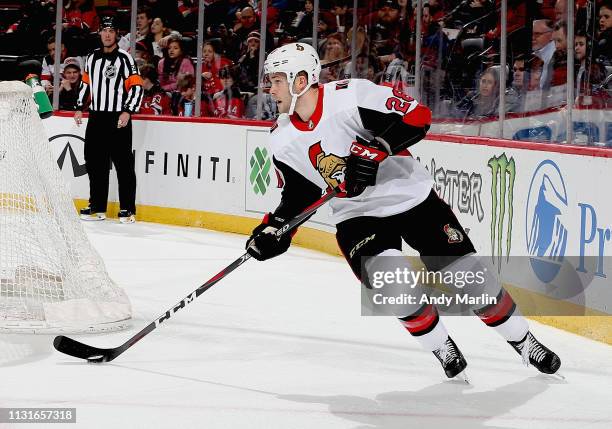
[(112, 82)]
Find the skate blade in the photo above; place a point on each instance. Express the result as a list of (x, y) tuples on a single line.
[(90, 218), (462, 376), (555, 376)]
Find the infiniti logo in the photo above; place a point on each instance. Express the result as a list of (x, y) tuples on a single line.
[(72, 143)]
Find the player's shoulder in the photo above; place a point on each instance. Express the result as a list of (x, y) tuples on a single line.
[(123, 53), (347, 85)]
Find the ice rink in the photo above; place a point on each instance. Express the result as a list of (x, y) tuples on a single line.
[(281, 344)]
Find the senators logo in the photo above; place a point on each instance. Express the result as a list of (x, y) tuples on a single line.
[(330, 167), (454, 235)]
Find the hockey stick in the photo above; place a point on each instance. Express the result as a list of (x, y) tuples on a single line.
[(335, 62), (80, 350)]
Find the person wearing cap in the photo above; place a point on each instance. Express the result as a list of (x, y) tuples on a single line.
[(249, 63), (69, 87), (112, 84), (386, 26)]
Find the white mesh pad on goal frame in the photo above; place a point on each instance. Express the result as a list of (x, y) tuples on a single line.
[(51, 278)]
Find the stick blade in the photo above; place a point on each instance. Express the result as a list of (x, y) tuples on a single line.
[(80, 350)]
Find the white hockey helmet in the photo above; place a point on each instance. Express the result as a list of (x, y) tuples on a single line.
[(292, 59)]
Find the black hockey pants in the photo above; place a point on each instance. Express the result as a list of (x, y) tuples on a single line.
[(105, 143)]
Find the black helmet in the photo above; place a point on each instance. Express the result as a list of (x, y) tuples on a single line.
[(108, 22)]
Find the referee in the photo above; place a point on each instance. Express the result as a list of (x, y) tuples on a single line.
[(112, 83)]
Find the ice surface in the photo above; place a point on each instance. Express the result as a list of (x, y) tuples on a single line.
[(281, 344)]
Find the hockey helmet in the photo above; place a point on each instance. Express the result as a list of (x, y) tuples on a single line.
[(292, 59)]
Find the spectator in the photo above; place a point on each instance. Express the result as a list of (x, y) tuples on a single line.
[(249, 23), (143, 28), (168, 9), (436, 9), (189, 12), (32, 27), (385, 26), (174, 63), (334, 49), (302, 23), (604, 41), (69, 87), (212, 62), (544, 48), (228, 103), (272, 20), (519, 81), (183, 101), (144, 54), (269, 110), (560, 10), (248, 65), (589, 73), (474, 17), (155, 100), (343, 19), (366, 59), (536, 70), (485, 101), (159, 36), (48, 63), (366, 67), (81, 15), (434, 55), (559, 36)]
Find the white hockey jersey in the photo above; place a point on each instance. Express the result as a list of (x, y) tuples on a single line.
[(317, 150)]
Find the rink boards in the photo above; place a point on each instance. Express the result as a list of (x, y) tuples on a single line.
[(548, 210)]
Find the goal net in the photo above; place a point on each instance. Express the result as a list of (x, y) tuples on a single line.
[(51, 278)]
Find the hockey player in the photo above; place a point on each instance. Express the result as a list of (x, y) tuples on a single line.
[(356, 132)]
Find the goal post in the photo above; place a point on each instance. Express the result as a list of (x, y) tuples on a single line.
[(51, 278)]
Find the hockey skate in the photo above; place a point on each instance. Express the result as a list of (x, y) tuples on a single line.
[(451, 358), (88, 214), (126, 216), (536, 354)]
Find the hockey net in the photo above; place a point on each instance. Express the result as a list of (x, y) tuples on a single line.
[(51, 278)]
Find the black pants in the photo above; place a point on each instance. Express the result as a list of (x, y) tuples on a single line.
[(104, 142), (431, 228)]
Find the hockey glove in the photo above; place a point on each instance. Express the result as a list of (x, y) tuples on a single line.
[(263, 243), (362, 165)]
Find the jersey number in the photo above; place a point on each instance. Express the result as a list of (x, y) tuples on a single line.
[(400, 103)]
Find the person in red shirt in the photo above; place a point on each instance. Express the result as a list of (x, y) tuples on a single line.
[(211, 64), (228, 103), (155, 100), (80, 14)]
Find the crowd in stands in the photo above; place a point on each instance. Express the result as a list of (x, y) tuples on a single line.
[(460, 50)]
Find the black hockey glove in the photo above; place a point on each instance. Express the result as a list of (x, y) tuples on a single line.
[(362, 165), (263, 243)]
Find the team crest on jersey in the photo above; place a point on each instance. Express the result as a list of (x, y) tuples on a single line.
[(454, 235), (110, 71), (330, 167)]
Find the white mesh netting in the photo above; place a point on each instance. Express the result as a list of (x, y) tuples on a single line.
[(51, 278)]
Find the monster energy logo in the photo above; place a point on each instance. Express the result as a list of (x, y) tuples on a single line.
[(260, 171), (503, 172)]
